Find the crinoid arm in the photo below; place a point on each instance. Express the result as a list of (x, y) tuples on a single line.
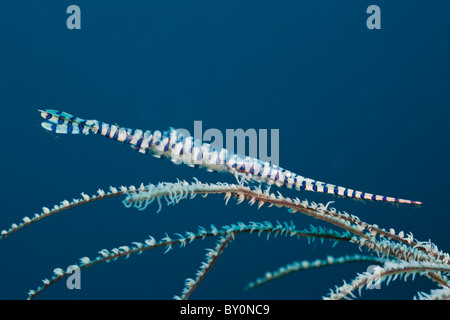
[(225, 234), (398, 254)]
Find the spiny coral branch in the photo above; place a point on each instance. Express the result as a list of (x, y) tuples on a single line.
[(64, 205), (436, 294), (306, 265), (151, 243), (173, 193), (211, 257), (365, 233), (389, 271), (388, 244)]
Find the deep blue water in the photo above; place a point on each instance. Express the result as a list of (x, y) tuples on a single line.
[(365, 109)]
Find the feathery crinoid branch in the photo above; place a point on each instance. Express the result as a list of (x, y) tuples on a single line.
[(398, 254), (226, 234), (435, 294), (390, 270), (297, 266), (211, 257), (388, 244)]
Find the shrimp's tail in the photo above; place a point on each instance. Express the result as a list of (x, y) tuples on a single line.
[(317, 186)]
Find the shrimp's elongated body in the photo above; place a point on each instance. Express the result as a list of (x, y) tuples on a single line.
[(173, 145)]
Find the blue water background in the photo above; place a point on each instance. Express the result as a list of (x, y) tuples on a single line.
[(365, 109)]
